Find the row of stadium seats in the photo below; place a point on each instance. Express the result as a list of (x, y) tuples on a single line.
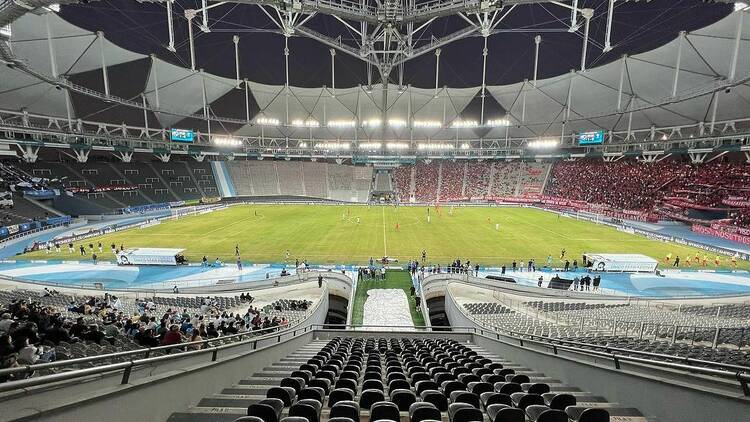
[(690, 333), (71, 326), (296, 178), (451, 181), (389, 379)]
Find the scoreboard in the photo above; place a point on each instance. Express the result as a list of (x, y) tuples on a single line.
[(591, 138)]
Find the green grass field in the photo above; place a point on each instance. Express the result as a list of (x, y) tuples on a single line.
[(393, 280), (331, 234)]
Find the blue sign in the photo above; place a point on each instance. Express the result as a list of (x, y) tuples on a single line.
[(591, 138), (182, 135)]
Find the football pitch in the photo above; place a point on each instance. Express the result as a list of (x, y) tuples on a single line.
[(353, 234)]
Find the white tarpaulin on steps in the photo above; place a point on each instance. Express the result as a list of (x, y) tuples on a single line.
[(387, 307)]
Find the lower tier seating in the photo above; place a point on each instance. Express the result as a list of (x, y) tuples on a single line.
[(403, 380)]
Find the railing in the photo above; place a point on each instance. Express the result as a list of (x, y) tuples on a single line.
[(20, 235), (254, 338), (613, 326), (741, 374)]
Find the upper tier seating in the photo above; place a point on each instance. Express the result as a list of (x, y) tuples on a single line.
[(294, 178), (461, 180), (413, 380)]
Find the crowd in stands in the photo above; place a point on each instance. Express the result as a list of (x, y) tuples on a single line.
[(452, 180), (38, 327), (673, 185)]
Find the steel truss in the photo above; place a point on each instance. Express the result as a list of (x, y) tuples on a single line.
[(386, 38)]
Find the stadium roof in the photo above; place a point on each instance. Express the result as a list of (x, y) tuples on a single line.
[(612, 93)]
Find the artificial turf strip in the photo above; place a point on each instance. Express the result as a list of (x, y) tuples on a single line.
[(394, 279), (353, 234)]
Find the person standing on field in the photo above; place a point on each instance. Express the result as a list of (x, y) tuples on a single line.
[(320, 281)]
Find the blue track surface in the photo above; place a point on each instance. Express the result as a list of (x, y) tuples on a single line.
[(673, 284)]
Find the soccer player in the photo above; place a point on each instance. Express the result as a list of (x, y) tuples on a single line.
[(287, 255), (549, 260), (676, 261), (424, 256), (237, 250), (687, 260), (705, 260), (734, 261), (717, 260), (101, 249), (398, 226), (357, 220), (562, 253), (668, 258)]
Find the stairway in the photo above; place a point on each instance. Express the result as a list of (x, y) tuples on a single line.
[(163, 181), (91, 183), (232, 402)]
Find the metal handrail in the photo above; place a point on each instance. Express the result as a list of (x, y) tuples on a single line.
[(147, 351), (129, 366)]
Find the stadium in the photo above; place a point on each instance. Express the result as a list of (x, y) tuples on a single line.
[(375, 210)]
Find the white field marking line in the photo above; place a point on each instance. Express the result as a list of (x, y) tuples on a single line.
[(228, 225), (542, 228), (385, 243)]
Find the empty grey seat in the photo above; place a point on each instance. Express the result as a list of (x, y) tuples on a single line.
[(583, 414), (505, 413), (464, 412), (541, 413), (384, 410), (421, 411)]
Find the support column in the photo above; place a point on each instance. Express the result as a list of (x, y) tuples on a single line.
[(105, 76), (568, 103), (736, 50), (190, 17), (286, 75), (145, 112), (203, 94), (155, 73), (484, 80), (437, 70), (587, 14), (608, 36), (333, 72), (247, 102), (81, 155), (163, 157), (714, 109), (537, 41), (680, 42), (523, 101), (124, 156), (236, 41), (29, 153), (170, 26), (623, 67)]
